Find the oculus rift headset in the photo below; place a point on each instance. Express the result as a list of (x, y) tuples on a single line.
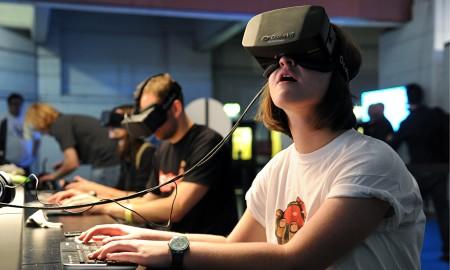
[(7, 191), (142, 123), (111, 119), (302, 33)]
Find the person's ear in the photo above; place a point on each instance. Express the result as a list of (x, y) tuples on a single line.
[(177, 108)]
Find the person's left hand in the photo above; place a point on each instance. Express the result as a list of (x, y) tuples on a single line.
[(142, 252)]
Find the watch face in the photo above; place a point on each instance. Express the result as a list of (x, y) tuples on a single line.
[(179, 243)]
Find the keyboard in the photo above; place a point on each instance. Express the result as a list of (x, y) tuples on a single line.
[(74, 256)]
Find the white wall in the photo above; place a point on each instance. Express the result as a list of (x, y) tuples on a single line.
[(414, 52), (17, 64)]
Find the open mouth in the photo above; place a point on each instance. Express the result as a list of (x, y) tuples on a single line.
[(287, 78)]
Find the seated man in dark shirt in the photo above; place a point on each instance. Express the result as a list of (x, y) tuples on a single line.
[(204, 200), (81, 138)]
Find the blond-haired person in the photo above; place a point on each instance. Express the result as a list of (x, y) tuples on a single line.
[(82, 140)]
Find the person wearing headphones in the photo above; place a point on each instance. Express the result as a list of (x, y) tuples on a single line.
[(201, 202), (334, 199)]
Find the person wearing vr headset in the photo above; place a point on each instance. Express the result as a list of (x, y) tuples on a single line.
[(81, 138), (136, 157), (204, 200), (334, 199)]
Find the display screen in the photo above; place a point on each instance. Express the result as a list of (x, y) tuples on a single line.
[(395, 103), (241, 141)]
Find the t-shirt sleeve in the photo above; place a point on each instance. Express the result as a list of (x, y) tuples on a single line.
[(153, 178), (402, 196), (256, 197), (145, 169)]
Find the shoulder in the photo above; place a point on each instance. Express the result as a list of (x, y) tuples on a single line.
[(203, 134), (280, 160), (367, 155)]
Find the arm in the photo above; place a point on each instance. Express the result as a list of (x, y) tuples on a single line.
[(157, 209), (339, 225), (102, 191), (69, 164)]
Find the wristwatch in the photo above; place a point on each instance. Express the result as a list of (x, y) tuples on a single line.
[(178, 245)]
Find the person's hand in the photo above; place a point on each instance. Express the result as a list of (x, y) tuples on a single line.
[(114, 231), (63, 195), (143, 252), (81, 184)]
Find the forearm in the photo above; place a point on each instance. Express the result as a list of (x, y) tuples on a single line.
[(109, 192), (250, 256), (62, 171), (154, 211)]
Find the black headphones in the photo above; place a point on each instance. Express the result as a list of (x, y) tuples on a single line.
[(174, 93), (144, 122), (7, 190)]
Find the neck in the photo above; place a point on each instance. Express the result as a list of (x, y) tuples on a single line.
[(306, 138), (184, 124)]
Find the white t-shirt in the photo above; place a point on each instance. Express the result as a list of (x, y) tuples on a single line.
[(292, 187)]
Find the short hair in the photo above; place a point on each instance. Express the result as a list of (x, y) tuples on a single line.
[(335, 110), (161, 85), (13, 96), (41, 116), (415, 93)]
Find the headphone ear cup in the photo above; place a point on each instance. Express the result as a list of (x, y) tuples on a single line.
[(7, 193)]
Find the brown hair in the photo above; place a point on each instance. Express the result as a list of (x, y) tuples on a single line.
[(335, 110), (41, 116), (161, 85)]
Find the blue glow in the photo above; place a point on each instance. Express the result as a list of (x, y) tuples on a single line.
[(395, 102)]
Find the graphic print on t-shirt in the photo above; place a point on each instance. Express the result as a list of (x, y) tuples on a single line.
[(289, 221), (166, 176)]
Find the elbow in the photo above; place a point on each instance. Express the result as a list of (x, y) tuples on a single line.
[(177, 215), (72, 165)]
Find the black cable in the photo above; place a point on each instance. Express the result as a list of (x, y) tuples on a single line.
[(145, 191)]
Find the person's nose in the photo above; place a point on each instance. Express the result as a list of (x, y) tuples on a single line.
[(286, 61)]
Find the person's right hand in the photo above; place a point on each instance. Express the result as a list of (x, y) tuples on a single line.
[(115, 232), (112, 230), (63, 195)]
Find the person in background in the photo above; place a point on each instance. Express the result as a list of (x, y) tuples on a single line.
[(334, 199), (378, 126), (83, 141), (426, 134), (205, 201), (136, 157), (18, 144)]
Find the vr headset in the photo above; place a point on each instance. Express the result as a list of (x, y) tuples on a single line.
[(142, 123), (111, 119), (302, 33)]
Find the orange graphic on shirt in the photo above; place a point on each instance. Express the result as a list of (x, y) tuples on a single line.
[(289, 221), (164, 177)]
